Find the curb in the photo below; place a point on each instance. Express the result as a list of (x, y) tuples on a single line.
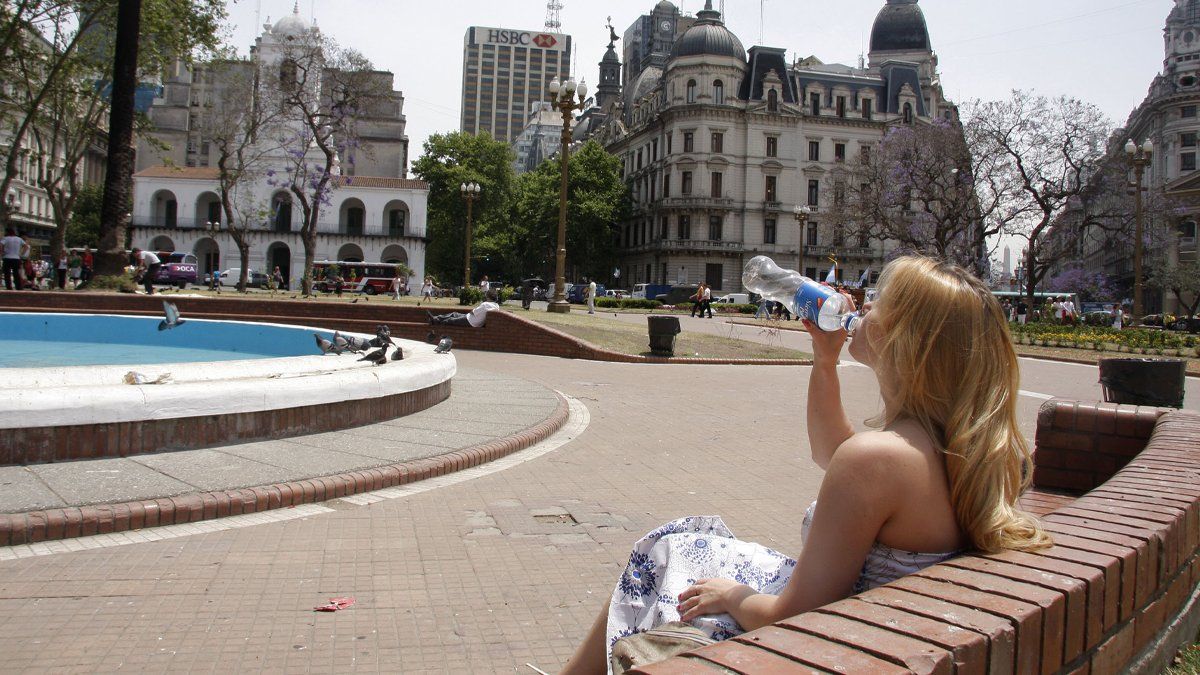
[(81, 521), (1084, 362)]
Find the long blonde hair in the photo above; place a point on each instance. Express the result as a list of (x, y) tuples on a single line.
[(948, 362)]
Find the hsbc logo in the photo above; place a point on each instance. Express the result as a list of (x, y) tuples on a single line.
[(518, 38), (545, 41)]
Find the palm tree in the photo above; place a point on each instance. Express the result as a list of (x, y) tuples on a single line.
[(118, 183)]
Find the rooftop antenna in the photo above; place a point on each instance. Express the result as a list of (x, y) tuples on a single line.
[(554, 16), (258, 16), (762, 12)]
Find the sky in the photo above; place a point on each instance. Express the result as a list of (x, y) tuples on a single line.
[(1101, 51)]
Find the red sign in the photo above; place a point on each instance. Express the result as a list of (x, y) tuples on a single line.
[(545, 41)]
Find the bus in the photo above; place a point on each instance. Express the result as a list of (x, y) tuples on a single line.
[(357, 277), (1040, 299)]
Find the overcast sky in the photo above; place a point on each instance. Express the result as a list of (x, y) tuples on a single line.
[(1101, 51)]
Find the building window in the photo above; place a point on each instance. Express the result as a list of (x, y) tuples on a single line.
[(654, 150), (714, 228), (839, 152), (864, 154), (718, 142), (773, 101), (839, 194), (866, 108), (666, 185), (772, 193), (669, 137), (685, 227), (811, 239), (908, 113), (689, 141), (686, 183), (1187, 161), (864, 239), (719, 92), (1187, 111), (814, 192), (664, 229), (691, 91), (814, 103), (814, 151), (717, 192), (1188, 140), (769, 231), (841, 106), (396, 219), (839, 236), (639, 159), (1187, 229), (712, 275), (772, 146)]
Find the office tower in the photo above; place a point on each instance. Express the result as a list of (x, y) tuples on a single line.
[(505, 71)]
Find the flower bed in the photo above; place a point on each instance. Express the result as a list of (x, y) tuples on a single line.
[(1131, 340)]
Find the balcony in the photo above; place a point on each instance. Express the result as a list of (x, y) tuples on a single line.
[(772, 206), (840, 252), (688, 245), (698, 202)]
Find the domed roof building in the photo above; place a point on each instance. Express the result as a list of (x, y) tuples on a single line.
[(721, 144), (292, 25)]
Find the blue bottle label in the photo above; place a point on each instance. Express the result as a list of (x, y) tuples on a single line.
[(809, 299)]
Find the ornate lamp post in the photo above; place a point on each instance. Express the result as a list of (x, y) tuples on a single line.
[(801, 212), (1140, 158), (563, 97), (470, 193)]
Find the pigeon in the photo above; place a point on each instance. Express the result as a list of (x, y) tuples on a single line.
[(172, 319), (340, 344), (383, 336), (398, 355), (444, 345), (354, 301), (378, 357), (357, 344), (431, 338), (324, 345)]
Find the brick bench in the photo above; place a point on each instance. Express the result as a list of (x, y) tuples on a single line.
[(1118, 487)]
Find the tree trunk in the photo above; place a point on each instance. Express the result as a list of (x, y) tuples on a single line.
[(118, 183), (244, 253)]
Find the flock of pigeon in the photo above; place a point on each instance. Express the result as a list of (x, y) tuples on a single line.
[(341, 344)]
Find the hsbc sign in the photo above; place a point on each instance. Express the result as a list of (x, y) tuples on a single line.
[(517, 38)]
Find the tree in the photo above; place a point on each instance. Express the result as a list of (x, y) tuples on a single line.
[(325, 89), (1089, 284), (83, 231), (448, 161), (1182, 279), (597, 201), (1051, 150), (236, 130)]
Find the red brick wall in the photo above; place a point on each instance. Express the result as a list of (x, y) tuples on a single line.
[(1118, 592)]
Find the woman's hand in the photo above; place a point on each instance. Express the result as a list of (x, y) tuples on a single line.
[(711, 596)]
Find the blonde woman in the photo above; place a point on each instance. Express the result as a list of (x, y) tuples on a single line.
[(941, 475)]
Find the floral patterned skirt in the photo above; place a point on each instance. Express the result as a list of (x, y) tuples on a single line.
[(673, 557)]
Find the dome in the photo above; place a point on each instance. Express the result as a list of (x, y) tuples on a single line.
[(291, 26), (708, 37), (664, 4), (900, 27), (645, 83)]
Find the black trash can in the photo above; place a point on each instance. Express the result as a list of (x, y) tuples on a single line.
[(663, 330), (1157, 382)]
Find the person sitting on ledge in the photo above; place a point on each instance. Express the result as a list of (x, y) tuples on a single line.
[(474, 318), (941, 475)]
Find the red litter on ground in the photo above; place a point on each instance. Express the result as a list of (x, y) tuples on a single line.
[(334, 605)]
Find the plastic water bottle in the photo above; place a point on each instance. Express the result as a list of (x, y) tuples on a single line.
[(802, 296)]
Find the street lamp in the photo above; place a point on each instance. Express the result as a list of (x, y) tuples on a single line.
[(1140, 158), (563, 97), (801, 212), (470, 193)]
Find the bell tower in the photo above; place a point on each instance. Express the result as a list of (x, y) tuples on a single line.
[(1181, 37), (609, 89)]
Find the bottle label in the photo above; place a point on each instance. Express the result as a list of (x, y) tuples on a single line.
[(809, 299)]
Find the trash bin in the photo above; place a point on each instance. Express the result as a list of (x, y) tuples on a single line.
[(1157, 382), (663, 330)]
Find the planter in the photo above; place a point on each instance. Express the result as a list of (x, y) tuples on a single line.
[(1157, 382)]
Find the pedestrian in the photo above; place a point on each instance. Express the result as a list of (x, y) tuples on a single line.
[(706, 301), (62, 270), (942, 474), (76, 269), (148, 265), (764, 309), (1022, 312), (86, 261), (1006, 306), (695, 298), (591, 296), (1118, 317), (485, 287), (15, 248), (426, 291), (276, 280)]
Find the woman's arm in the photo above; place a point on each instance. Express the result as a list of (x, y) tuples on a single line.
[(857, 497), (828, 424)]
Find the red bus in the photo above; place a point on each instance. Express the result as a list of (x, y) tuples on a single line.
[(357, 277)]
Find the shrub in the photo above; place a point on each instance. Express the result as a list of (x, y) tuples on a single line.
[(470, 296), (639, 303), (607, 302), (122, 283), (504, 294)]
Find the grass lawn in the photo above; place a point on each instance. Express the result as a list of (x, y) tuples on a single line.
[(1188, 661), (628, 338)]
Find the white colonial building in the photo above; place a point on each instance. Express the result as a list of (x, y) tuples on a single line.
[(374, 212), (721, 145)]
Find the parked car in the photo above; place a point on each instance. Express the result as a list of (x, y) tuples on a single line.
[(617, 293), (231, 276), (178, 269), (677, 294), (1185, 324), (577, 292), (733, 299)]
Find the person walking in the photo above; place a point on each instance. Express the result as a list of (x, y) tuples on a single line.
[(148, 265), (61, 270), (15, 248), (276, 280), (764, 309), (1118, 317), (1022, 312), (485, 287), (398, 284), (591, 296), (85, 271), (426, 291), (706, 301), (695, 298)]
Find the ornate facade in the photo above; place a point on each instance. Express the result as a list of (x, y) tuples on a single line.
[(720, 145)]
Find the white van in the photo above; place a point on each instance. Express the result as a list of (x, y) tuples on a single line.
[(733, 299)]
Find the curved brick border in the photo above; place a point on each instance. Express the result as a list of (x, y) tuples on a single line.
[(35, 526)]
